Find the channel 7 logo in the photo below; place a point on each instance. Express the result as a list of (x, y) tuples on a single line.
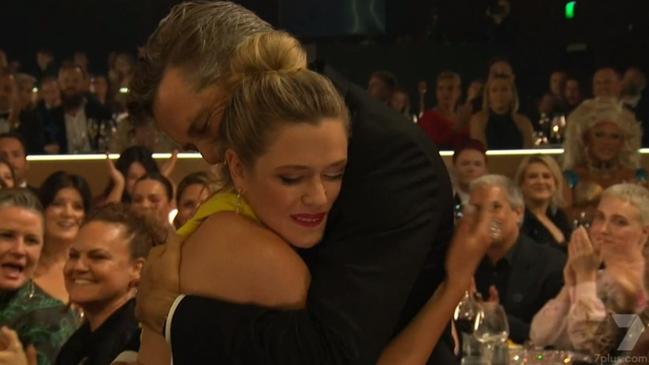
[(635, 327)]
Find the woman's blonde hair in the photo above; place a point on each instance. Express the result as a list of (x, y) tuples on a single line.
[(486, 101), (592, 112), (269, 87), (553, 166)]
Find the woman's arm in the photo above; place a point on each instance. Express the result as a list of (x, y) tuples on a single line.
[(527, 130)]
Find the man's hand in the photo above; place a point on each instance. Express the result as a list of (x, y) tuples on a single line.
[(582, 257), (159, 285), (11, 349)]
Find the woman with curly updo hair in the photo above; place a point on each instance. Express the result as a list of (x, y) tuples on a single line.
[(600, 150)]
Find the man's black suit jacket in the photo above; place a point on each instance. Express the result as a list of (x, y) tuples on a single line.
[(534, 276), (381, 258), (55, 123)]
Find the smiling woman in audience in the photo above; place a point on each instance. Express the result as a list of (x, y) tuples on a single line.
[(66, 199), (580, 317), (541, 183), (153, 196), (101, 275), (38, 318)]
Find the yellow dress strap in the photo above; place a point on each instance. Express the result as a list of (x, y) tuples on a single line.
[(226, 201)]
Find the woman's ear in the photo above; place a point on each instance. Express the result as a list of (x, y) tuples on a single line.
[(138, 264), (235, 169)]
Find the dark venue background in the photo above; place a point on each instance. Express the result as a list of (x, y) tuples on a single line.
[(415, 39)]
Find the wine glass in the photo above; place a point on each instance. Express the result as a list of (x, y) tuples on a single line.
[(491, 327), (464, 317)]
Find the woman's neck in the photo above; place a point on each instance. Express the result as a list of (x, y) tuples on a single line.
[(445, 110), (501, 111), (538, 208), (98, 313)]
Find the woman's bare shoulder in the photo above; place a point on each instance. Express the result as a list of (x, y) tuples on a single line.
[(245, 262)]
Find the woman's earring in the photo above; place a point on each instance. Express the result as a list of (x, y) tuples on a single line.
[(238, 203)]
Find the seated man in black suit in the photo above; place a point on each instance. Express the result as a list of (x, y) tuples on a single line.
[(80, 124), (383, 250), (520, 273)]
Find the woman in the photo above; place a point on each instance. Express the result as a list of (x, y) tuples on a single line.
[(101, 275), (7, 175), (285, 161), (38, 318), (499, 125), (133, 163), (601, 149), (445, 127), (579, 317), (193, 189), (66, 199), (541, 183), (153, 196)]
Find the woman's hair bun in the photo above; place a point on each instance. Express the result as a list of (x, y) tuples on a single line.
[(267, 52)]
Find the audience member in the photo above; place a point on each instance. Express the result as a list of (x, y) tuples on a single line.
[(553, 102), (49, 95), (101, 275), (500, 66), (4, 62), (442, 124), (15, 116), (45, 64), (572, 94), (75, 126), (469, 163), (473, 101), (12, 149), (517, 272), (133, 163), (193, 189), (30, 122), (39, 319), (141, 133), (600, 150), (635, 96), (579, 318), (80, 58), (100, 88), (400, 101), (66, 199), (498, 125), (606, 83), (7, 175), (153, 196), (381, 85), (541, 182)]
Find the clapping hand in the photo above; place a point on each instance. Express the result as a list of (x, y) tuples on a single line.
[(582, 257), (115, 175), (11, 349)]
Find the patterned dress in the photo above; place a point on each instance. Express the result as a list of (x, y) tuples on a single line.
[(38, 319)]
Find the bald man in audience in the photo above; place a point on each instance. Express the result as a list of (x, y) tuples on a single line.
[(606, 83)]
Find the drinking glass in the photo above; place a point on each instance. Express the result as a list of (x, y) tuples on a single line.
[(491, 328)]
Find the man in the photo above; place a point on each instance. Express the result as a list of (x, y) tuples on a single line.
[(383, 251), (606, 83), (572, 94), (16, 114), (12, 149), (382, 85), (520, 273), (77, 125)]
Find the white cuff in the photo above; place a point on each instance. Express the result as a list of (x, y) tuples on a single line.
[(170, 315)]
